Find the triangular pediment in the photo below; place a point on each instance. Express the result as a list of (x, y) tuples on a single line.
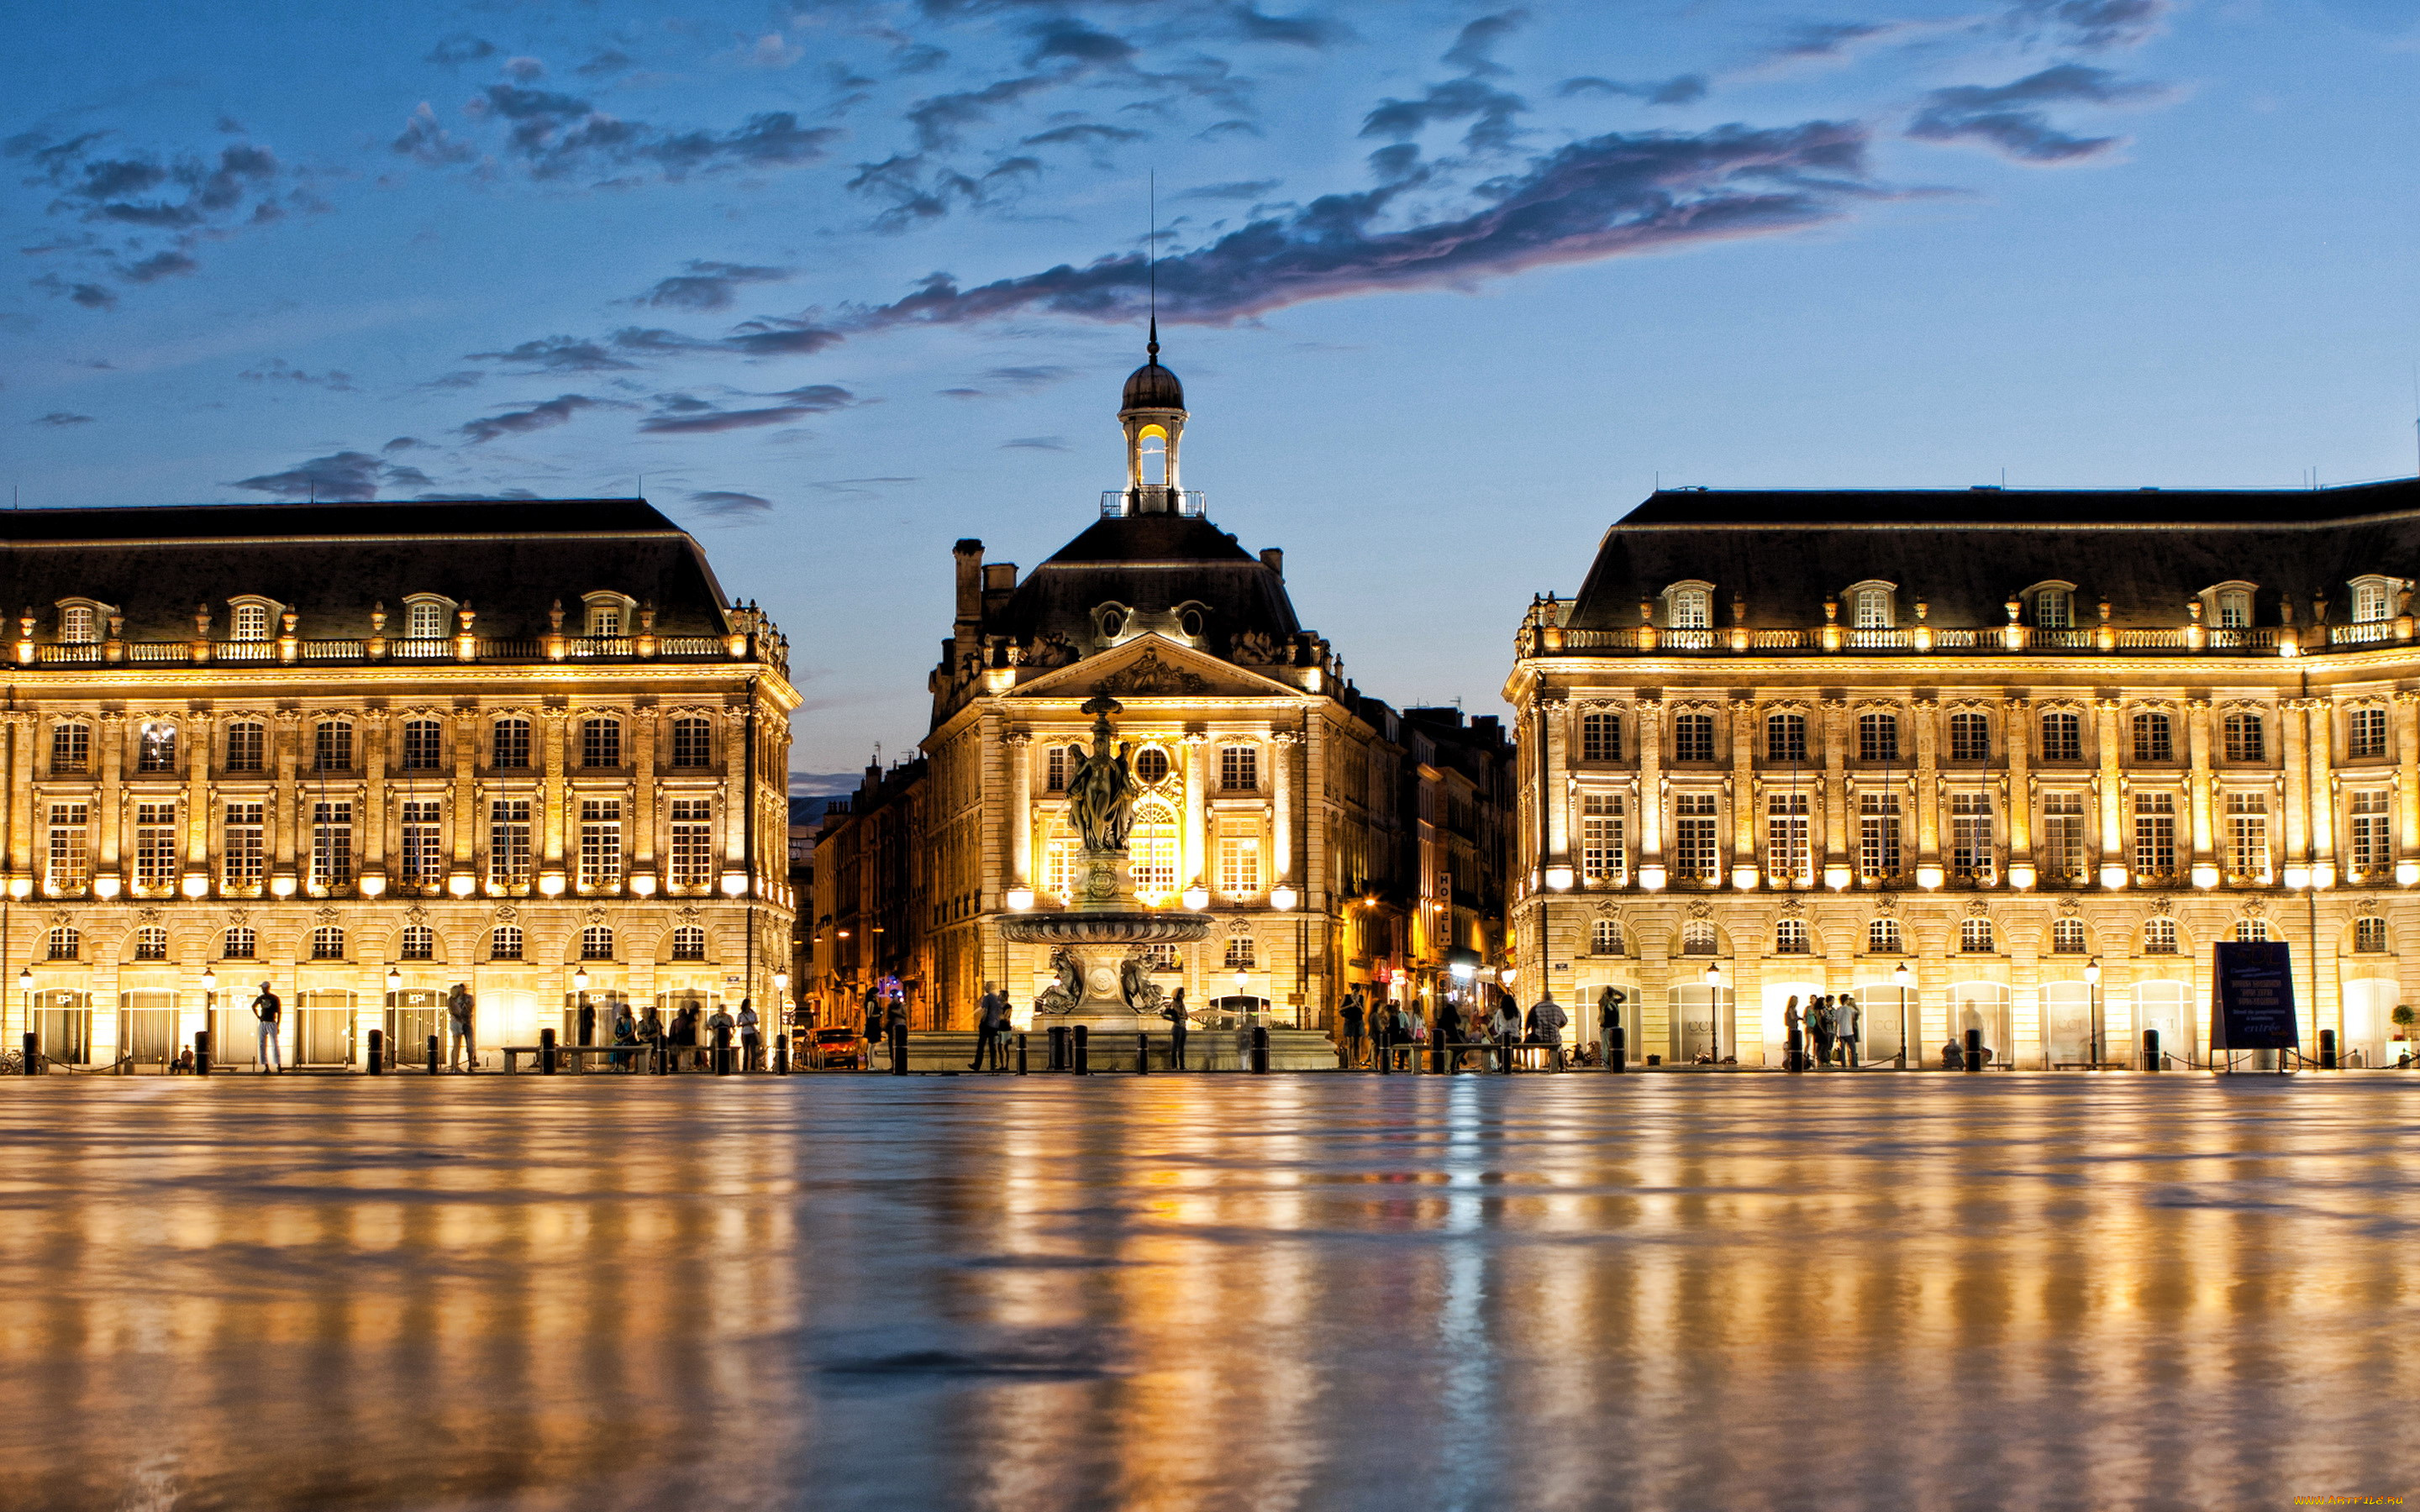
[(1155, 666)]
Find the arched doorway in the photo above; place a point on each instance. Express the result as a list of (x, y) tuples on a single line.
[(1700, 1023)]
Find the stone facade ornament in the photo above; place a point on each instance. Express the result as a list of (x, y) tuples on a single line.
[(1886, 902), (2068, 908), (2253, 906), (1147, 675), (507, 913), (1977, 908), (1699, 908)]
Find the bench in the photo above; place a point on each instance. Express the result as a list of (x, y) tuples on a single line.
[(639, 1054)]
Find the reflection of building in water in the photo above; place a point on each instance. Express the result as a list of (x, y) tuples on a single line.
[(356, 747), (1271, 793), (2005, 761)]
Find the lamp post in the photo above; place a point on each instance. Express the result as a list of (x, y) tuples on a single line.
[(1713, 1012), (2092, 980), (1559, 879), (1283, 898), (579, 987), (1904, 981), (26, 996)]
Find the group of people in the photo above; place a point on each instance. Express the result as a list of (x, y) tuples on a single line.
[(1373, 1031), (680, 1039), (1826, 1031)]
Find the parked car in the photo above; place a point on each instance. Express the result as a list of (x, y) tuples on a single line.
[(834, 1048)]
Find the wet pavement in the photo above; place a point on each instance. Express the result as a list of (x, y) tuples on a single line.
[(1927, 1291)]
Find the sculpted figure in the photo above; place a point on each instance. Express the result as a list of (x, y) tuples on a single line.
[(1141, 993), (1101, 794)]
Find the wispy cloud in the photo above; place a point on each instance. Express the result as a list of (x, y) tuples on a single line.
[(1680, 90), (2005, 117), (2092, 23), (277, 370), (542, 416), (1474, 49), (341, 475), (1035, 443), (556, 134), (725, 503), (61, 419), (688, 414), (708, 286), (556, 354)]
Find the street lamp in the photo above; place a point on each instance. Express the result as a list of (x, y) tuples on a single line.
[(1903, 980), (1713, 975), (1020, 897), (1197, 897), (393, 979), (2092, 980)]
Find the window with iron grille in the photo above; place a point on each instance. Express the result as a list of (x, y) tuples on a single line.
[(1693, 737), (1239, 768), (600, 742), (70, 748), (155, 847), (1789, 860), (596, 943), (1785, 738), (151, 942), (1694, 856), (237, 944), (2252, 930), (2373, 851), (1602, 857), (2152, 740), (423, 861), (327, 942), (2061, 855), (1970, 737), (1971, 854), (1240, 955), (504, 943), (331, 845), (247, 744), (1790, 937), (1878, 738), (62, 942), (240, 849), (689, 942), (332, 747), (1975, 936), (2365, 733), (2160, 937), (1882, 937), (1600, 738), (1604, 937), (417, 942), (70, 862), (2062, 738), (423, 745), (509, 841), (2246, 738), (2247, 837), (601, 843), (692, 742), (511, 748), (1878, 847), (155, 746), (692, 842), (2155, 835), (2067, 936), (2370, 934)]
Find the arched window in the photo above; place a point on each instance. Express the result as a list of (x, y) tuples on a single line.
[(1604, 937), (692, 742), (504, 943), (2160, 937), (251, 622), (2067, 936), (237, 944), (425, 620), (1151, 852), (1975, 936), (1878, 738), (2370, 934), (327, 942), (1693, 737), (2370, 601), (155, 749), (2234, 609), (596, 943), (509, 748), (1240, 955), (423, 745), (70, 747), (332, 746), (600, 742), (1790, 937), (246, 743), (1153, 459), (1692, 608), (689, 942), (1883, 938), (79, 626), (2251, 931), (1600, 738), (2247, 740), (418, 942), (1970, 737), (2054, 609), (2152, 739), (1698, 937), (1785, 738), (151, 943), (1869, 608), (62, 942), (605, 617)]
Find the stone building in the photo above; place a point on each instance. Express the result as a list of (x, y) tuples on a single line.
[(368, 750), (1458, 806), (1996, 760)]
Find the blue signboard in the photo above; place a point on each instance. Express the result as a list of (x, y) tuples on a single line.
[(2255, 997)]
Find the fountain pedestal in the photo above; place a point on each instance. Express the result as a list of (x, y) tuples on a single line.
[(1096, 943)]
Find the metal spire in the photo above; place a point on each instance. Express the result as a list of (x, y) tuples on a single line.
[(1151, 247)]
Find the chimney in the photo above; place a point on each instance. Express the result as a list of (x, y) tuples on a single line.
[(1274, 560)]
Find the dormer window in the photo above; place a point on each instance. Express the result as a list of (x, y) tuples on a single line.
[(2373, 599), (79, 624), (1871, 605), (426, 617), (2231, 604), (1689, 606), (250, 618), (2054, 606), (607, 613)]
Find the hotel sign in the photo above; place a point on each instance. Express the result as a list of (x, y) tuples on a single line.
[(2255, 997)]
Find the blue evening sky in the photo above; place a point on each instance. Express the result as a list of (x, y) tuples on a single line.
[(1451, 287)]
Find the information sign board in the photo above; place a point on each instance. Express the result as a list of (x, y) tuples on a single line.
[(2255, 997)]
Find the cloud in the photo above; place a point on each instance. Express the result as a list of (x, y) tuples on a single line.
[(772, 51), (1218, 129), (1828, 39), (524, 69), (1035, 443), (91, 296), (61, 419), (340, 475), (542, 416), (168, 263), (403, 443), (722, 501), (1029, 378), (555, 354), (609, 62), (460, 49), (1680, 90), (1474, 51), (1240, 189), (1066, 38), (423, 141), (941, 119), (1087, 132), (686, 414), (558, 134), (179, 195), (1457, 100), (708, 285), (2092, 23), (866, 487), (276, 371), (2001, 116), (919, 190)]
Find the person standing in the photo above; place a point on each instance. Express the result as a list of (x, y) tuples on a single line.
[(460, 1016), (272, 1014), (873, 1019), (751, 1038), (718, 1025), (1609, 1019), (1350, 1017), (1793, 1024), (986, 1029), (1819, 1018), (1505, 1028), (626, 1034), (1547, 1020), (1448, 1029), (1180, 1024), (650, 1033), (1847, 1020)]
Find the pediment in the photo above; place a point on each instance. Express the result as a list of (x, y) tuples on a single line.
[(1152, 666)]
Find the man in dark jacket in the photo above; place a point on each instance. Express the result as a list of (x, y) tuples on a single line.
[(991, 1017), (1349, 1016), (1609, 1019), (1179, 1026)]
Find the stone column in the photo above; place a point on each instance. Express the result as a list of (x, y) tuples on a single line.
[(2406, 783), (285, 796), (114, 729), (2324, 864), (1019, 745), (1197, 810), (1832, 723), (372, 825), (2018, 796), (199, 732), (465, 814), (25, 730), (643, 727), (1651, 792), (2112, 798), (736, 732), (2292, 723), (2205, 827), (1927, 715), (1743, 790), (551, 791), (1283, 744)]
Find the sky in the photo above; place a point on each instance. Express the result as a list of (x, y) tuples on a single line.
[(837, 282)]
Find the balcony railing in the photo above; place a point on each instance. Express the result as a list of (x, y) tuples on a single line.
[(1541, 637), (293, 651), (1152, 499)]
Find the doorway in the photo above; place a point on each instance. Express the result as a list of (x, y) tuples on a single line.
[(2368, 1009), (1886, 1019), (63, 1019), (1774, 1020), (1701, 1027), (323, 1028), (1983, 1005), (2067, 1023), (2164, 1006), (146, 1028)]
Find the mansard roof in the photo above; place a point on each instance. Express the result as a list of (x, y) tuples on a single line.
[(1966, 552), (330, 562), (1153, 564)]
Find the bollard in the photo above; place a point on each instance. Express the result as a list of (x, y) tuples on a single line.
[(2328, 1050), (1058, 1047), (2150, 1049), (1142, 1054), (588, 1023), (899, 1050), (1615, 1049), (432, 1055), (1020, 1054), (1794, 1059), (723, 1049), (1082, 1035), (781, 1056), (378, 1053), (201, 1052), (545, 1051), (1974, 1050), (32, 1064), (1260, 1049), (1385, 1042)]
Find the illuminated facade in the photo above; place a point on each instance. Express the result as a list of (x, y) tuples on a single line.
[(1986, 760), (364, 752)]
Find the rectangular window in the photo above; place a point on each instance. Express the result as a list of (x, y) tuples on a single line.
[(2247, 837), (1788, 860), (511, 750), (1878, 848), (1878, 738), (155, 847), (1239, 865), (246, 744), (155, 746), (1602, 857), (1971, 855), (2365, 733), (692, 842), (601, 843), (423, 860), (1239, 768), (1871, 608), (331, 845), (1054, 769), (70, 748), (332, 747), (1970, 737), (423, 745), (2153, 741), (1062, 867), (1693, 737), (70, 866), (1694, 856), (2368, 602), (2061, 852), (2246, 738), (243, 850), (2373, 853), (1600, 738), (1151, 861), (600, 742), (1785, 738), (2155, 836), (2062, 738), (2053, 609), (692, 742), (2234, 609), (508, 842)]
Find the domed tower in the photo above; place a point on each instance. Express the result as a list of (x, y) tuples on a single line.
[(1153, 414)]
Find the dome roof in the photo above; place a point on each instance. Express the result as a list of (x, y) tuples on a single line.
[(1154, 387)]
